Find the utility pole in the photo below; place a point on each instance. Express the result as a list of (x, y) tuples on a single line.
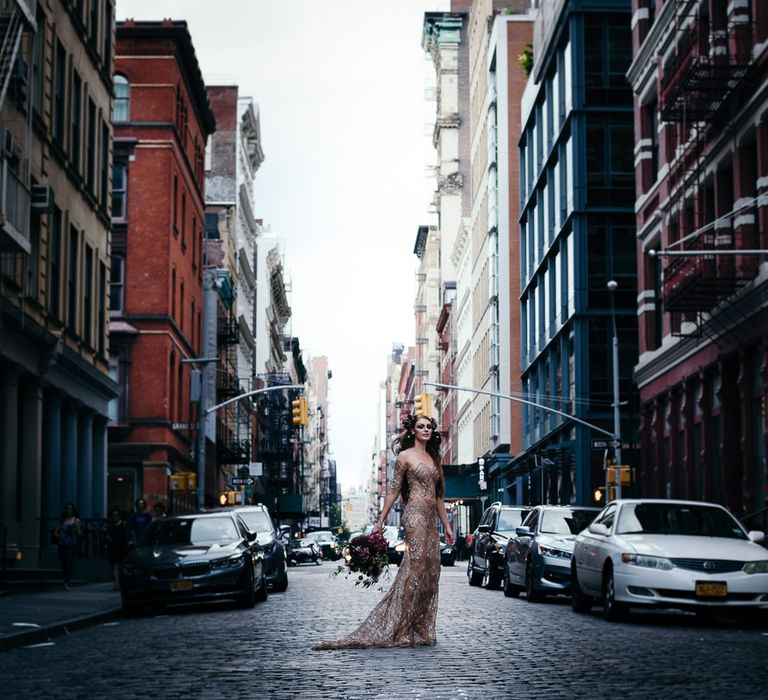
[(612, 286)]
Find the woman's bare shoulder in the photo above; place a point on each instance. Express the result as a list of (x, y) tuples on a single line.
[(405, 457)]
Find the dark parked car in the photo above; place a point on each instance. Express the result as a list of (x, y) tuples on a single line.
[(191, 558), (489, 541), (304, 551), (538, 555), (447, 553), (258, 520), (329, 545)]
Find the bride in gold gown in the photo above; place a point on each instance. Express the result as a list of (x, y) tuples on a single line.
[(406, 615)]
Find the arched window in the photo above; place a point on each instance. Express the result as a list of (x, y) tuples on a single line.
[(122, 108)]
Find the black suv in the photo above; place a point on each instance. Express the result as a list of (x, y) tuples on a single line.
[(489, 542)]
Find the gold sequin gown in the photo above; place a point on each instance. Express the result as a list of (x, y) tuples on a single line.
[(406, 615)]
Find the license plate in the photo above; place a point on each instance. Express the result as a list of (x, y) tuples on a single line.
[(181, 585), (711, 590)]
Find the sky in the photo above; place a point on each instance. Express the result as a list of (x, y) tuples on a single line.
[(340, 88)]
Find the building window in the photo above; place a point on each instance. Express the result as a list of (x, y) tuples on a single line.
[(173, 293), (38, 56), (88, 297), (59, 90), (119, 190), (116, 407), (116, 283), (105, 143), (90, 164), (121, 111), (94, 25), (107, 55), (183, 220), (74, 255), (175, 206), (77, 122), (54, 245)]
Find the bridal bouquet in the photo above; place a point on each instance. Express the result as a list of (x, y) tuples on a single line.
[(366, 558)]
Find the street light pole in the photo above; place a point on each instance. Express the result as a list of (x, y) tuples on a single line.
[(612, 286)]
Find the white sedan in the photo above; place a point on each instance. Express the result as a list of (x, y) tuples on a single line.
[(674, 554)]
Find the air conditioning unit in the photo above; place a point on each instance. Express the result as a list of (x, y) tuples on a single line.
[(41, 199)]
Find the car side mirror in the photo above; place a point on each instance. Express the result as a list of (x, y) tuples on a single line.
[(522, 531), (483, 528), (252, 536), (599, 529), (756, 536)]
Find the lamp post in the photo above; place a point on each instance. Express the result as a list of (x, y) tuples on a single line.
[(612, 286)]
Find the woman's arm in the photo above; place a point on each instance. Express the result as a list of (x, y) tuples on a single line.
[(443, 516), (393, 493)]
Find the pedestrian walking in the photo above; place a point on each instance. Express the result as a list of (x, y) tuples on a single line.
[(67, 534), (159, 509), (139, 519), (118, 543)]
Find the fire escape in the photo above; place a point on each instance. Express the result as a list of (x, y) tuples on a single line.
[(231, 447), (711, 66), (16, 16)]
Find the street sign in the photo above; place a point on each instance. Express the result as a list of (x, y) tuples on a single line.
[(242, 481), (256, 468), (183, 426), (605, 444)]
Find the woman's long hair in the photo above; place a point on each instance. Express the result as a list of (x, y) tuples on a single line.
[(407, 439), (64, 512)]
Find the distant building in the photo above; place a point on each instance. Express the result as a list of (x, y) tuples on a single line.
[(162, 121), (701, 161), (55, 184)]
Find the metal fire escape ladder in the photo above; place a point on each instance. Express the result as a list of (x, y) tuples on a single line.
[(11, 30)]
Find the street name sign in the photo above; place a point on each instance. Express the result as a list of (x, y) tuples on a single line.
[(183, 426), (604, 444)]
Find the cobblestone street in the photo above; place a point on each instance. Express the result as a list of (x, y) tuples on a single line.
[(489, 646)]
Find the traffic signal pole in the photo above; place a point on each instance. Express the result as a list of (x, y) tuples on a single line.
[(279, 387)]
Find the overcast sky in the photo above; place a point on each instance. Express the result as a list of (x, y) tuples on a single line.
[(340, 88)]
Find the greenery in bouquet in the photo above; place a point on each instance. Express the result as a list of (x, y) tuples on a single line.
[(365, 559)]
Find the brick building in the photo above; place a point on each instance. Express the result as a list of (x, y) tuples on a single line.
[(701, 127), (55, 103), (162, 121)]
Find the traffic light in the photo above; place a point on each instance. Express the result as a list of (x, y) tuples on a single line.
[(300, 411), (625, 474), (422, 405)]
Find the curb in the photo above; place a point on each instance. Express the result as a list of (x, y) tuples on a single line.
[(44, 634)]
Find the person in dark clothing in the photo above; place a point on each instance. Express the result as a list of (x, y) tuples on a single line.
[(139, 519), (67, 534), (118, 542)]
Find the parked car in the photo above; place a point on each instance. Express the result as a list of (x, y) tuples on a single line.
[(683, 554), (447, 553), (538, 555), (395, 537), (328, 543), (258, 520), (489, 541), (191, 558), (304, 551)]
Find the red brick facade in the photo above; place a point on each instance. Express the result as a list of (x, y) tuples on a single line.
[(161, 141)]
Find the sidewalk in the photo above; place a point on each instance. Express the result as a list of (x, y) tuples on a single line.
[(31, 618)]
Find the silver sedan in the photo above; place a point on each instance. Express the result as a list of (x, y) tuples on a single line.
[(675, 554)]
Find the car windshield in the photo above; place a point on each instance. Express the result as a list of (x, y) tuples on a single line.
[(256, 520), (566, 521), (678, 519), (190, 531), (323, 536), (510, 519)]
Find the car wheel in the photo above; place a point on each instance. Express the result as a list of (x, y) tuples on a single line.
[(475, 578), (510, 590), (580, 601), (282, 583), (263, 593), (533, 595), (131, 609), (612, 610), (248, 597)]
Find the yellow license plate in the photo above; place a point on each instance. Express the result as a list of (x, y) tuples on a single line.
[(711, 590), (181, 585)]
